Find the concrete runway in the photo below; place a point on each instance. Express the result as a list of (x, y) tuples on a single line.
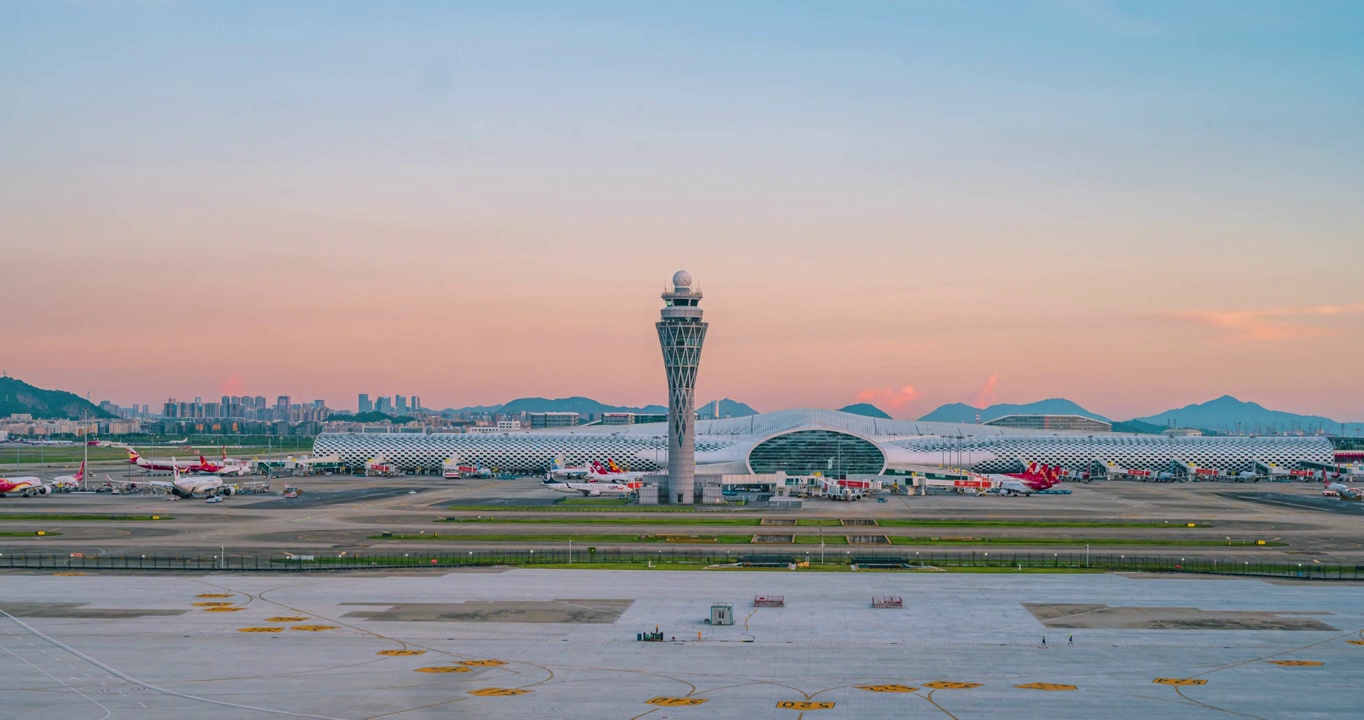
[(561, 643), (343, 513)]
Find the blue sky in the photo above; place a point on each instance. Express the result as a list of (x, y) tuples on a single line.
[(992, 176)]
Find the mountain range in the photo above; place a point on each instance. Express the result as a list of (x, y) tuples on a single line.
[(963, 413), (587, 406), (1227, 414), (1223, 415), (17, 396)]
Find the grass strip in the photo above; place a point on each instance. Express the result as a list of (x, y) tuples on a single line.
[(809, 540), (711, 522), (803, 522)]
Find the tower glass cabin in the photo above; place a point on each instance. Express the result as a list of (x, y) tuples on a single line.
[(681, 332)]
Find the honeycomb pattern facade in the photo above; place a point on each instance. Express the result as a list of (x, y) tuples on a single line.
[(511, 452), (728, 446), (1137, 452)]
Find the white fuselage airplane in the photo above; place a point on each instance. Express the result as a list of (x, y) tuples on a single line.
[(592, 489), (187, 486), (30, 486), (559, 471)]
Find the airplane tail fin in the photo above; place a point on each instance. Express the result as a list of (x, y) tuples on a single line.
[(224, 453), (80, 474), (557, 463), (611, 463), (133, 456), (203, 460)]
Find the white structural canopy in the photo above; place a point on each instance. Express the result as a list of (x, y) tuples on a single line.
[(800, 441)]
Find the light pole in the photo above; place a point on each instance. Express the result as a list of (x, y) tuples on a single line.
[(1086, 554)]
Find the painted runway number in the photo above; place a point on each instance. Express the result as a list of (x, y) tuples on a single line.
[(887, 688), (675, 701), (444, 669), (1297, 663), (1180, 681), (482, 663), (804, 705), (498, 692), (401, 653), (946, 685)]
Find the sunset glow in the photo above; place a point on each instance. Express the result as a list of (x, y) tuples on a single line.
[(1132, 205)]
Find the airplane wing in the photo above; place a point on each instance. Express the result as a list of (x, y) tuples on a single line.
[(153, 483)]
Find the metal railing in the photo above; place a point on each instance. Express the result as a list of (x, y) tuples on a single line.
[(233, 561)]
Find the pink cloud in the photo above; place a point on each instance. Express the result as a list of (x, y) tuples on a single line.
[(1265, 325), (985, 396), (892, 400)]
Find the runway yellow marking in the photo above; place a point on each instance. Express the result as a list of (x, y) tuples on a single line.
[(211, 604), (1352, 642), (313, 628), (946, 685), (887, 688), (674, 701), (1045, 686), (214, 595), (260, 629), (444, 669), (400, 653), (498, 692), (482, 663), (1180, 681), (285, 619), (804, 705), (1296, 663), (223, 609)]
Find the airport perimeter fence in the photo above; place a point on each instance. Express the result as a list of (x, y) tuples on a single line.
[(230, 561)]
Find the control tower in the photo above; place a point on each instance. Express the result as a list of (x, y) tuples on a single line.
[(680, 334)]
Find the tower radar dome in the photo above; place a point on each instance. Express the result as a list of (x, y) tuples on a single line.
[(682, 279)]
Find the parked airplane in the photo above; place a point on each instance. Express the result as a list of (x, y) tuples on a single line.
[(1341, 490), (161, 465), (188, 486), (1035, 477), (29, 486), (593, 489), (612, 472), (26, 486), (559, 471)]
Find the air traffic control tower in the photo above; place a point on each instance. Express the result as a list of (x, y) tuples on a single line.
[(681, 333)]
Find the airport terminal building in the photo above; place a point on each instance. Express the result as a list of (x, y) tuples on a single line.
[(805, 442)]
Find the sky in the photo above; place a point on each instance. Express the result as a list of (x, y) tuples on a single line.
[(1134, 205)]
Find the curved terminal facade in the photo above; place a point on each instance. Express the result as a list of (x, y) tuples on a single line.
[(802, 442)]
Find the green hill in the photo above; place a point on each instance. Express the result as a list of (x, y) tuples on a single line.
[(17, 396)]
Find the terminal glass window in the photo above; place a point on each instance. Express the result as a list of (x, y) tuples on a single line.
[(806, 452)]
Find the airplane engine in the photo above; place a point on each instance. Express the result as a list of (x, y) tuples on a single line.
[(594, 493), (44, 490), (228, 490)]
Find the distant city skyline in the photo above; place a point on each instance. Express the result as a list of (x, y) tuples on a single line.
[(1135, 206)]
